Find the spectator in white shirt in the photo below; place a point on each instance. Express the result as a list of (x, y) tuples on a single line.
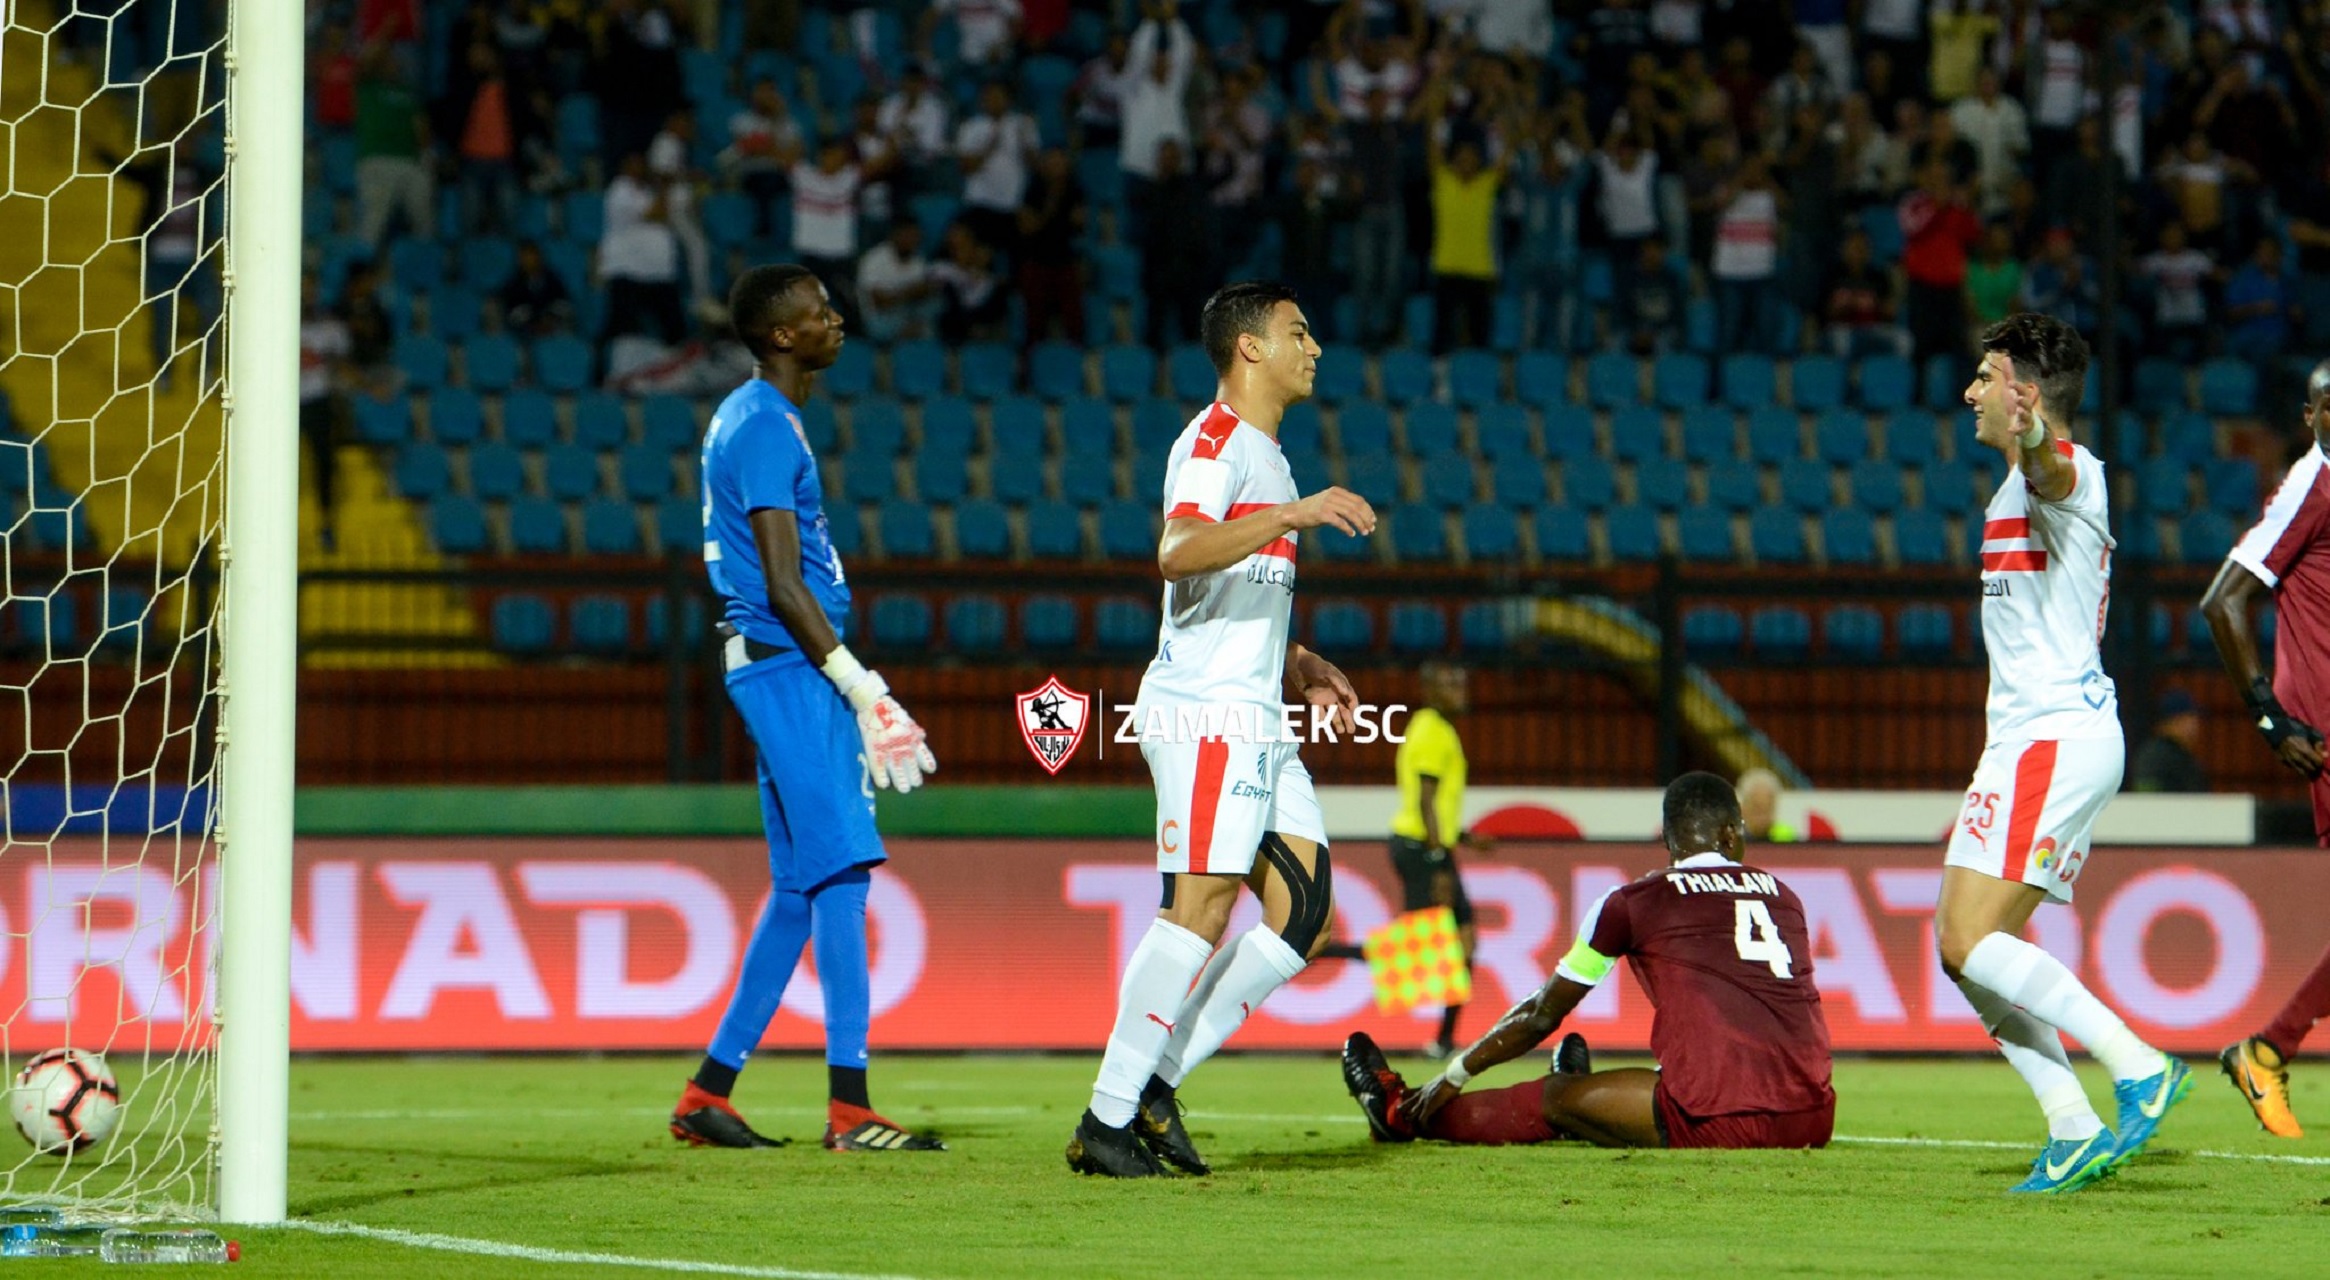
[(1099, 95), (915, 117), (896, 291), (986, 31), (668, 161), (1746, 258), (2180, 277), (2001, 134), (1365, 62), (764, 143), (1157, 77), (995, 148), (825, 223), (639, 259), (324, 347)]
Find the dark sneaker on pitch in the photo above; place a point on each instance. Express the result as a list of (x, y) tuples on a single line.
[(1158, 1123), (849, 1128), (1111, 1153), (1571, 1057), (704, 1119), (1378, 1089)]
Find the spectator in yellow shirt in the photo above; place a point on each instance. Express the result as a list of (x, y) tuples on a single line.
[(1430, 821)]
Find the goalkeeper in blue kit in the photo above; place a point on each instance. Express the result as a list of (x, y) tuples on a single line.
[(825, 730)]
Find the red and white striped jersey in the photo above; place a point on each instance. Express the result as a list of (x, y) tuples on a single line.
[(2289, 551), (1222, 641), (2046, 574)]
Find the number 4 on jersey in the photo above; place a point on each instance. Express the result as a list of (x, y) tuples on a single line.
[(1759, 939)]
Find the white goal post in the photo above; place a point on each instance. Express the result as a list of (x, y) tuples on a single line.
[(266, 62)]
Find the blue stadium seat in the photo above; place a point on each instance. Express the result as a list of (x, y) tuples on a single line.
[(1157, 423), (600, 421), (455, 416), (982, 532), (1924, 631), (877, 427), (611, 528), (1501, 431), (2166, 487), (975, 624), (422, 360), (1734, 488), (1910, 437), (422, 471), (1054, 531), (1087, 480), (1475, 380), (906, 531), (1589, 482), (49, 624), (486, 261), (1663, 483), (537, 527), (1710, 435), (1519, 482), (1342, 375), (1748, 382), (2232, 486), (1419, 535), (586, 211), (990, 370), (529, 418), (679, 526), (1711, 631), (819, 422), (599, 624), (457, 525), (1127, 373), (899, 622), (1632, 532), (1128, 531), (866, 477), (382, 420), (1189, 374), (918, 369), (1540, 380), (491, 362), (2206, 538), (1449, 480), (1491, 533), (2190, 438), (1373, 476), (1816, 383), (455, 313), (1310, 473), (1561, 534), (1015, 429), (523, 623), (1949, 486), (570, 472), (1853, 633), (1088, 427), (562, 363), (1613, 381), (948, 426), (1418, 627), (1885, 384), (1877, 486), (1342, 548), (1406, 375), (1679, 381), (1480, 627), (668, 424), (1919, 538), (852, 373), (1341, 627), (941, 476), (1848, 536), (1705, 535), (1781, 632), (1125, 625), (1841, 437), (1775, 435), (2160, 386), (729, 218), (1804, 484), (1015, 479), (1363, 428), (496, 472), (1638, 433), (1301, 433), (1569, 431), (1429, 428), (1944, 380), (1776, 536), (417, 265)]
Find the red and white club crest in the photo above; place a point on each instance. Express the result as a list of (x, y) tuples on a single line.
[(1052, 719)]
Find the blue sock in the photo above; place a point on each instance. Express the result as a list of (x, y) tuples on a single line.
[(768, 965), (837, 910)]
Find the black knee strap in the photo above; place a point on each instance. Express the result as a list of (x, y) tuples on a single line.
[(1312, 893)]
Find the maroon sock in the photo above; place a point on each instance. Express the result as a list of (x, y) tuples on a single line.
[(1495, 1118), (2310, 1004)]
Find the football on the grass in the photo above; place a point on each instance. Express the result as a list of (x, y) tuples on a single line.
[(65, 1100)]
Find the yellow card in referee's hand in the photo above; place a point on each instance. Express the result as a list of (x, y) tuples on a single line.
[(1417, 959)]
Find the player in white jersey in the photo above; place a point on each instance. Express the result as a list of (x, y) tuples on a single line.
[(2051, 760), (1234, 804)]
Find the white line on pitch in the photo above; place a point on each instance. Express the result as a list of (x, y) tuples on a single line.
[(569, 1257)]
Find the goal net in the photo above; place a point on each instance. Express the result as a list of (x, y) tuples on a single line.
[(115, 292)]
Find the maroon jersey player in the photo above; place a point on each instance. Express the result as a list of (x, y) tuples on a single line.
[(2288, 555), (1721, 949)]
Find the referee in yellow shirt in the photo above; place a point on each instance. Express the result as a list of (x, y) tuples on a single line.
[(1430, 822)]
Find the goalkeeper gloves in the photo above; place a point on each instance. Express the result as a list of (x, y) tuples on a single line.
[(2276, 724), (897, 753)]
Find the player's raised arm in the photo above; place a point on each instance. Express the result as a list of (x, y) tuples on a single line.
[(2049, 471), (1197, 544)]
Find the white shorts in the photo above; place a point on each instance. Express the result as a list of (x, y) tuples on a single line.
[(1215, 800), (2032, 808)]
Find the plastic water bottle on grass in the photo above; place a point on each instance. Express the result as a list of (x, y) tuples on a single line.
[(34, 1240), (146, 1244)]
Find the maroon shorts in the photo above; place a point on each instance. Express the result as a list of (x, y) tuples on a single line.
[(1745, 1130), (2321, 792)]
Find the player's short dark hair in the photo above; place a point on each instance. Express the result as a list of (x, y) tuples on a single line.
[(756, 302), (1235, 309), (2048, 352), (1699, 806)]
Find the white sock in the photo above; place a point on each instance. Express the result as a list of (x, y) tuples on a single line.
[(1260, 964), (2039, 983), (2035, 1051), (1156, 983), (1169, 1068)]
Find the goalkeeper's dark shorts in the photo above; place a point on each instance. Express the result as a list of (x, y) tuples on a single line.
[(1417, 865)]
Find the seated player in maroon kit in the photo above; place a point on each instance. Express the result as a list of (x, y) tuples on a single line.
[(1721, 949)]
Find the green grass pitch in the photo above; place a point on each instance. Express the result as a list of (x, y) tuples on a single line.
[(570, 1155)]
